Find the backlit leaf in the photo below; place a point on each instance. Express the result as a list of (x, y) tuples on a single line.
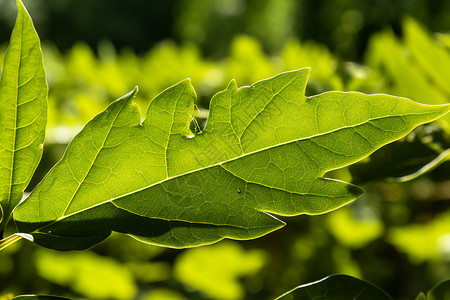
[(23, 112), (264, 151)]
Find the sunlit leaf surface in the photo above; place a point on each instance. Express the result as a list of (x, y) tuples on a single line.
[(23, 113), (263, 151)]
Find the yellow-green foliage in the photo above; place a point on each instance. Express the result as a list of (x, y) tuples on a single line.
[(83, 82), (416, 66)]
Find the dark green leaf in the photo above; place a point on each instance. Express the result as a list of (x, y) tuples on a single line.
[(440, 292), (421, 296), (336, 287), (421, 151), (39, 297)]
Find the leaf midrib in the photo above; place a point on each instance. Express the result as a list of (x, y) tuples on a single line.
[(80, 183), (224, 162), (16, 107)]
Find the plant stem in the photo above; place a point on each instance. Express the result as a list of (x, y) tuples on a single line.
[(9, 240), (442, 157)]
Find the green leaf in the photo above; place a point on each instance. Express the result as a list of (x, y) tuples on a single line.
[(431, 56), (39, 297), (421, 296), (23, 113), (440, 291), (336, 287), (264, 151), (415, 68)]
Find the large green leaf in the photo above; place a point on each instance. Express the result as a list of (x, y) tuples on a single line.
[(23, 113), (264, 151), (336, 287)]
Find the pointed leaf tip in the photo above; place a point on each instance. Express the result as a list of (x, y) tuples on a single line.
[(232, 85), (133, 93), (305, 69), (22, 82), (188, 82), (441, 109), (22, 9), (130, 96), (184, 82), (19, 3)]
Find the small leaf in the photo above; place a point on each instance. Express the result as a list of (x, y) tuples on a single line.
[(421, 296), (23, 113), (336, 287), (264, 151), (440, 292)]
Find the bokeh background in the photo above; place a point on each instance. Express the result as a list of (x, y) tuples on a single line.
[(397, 235)]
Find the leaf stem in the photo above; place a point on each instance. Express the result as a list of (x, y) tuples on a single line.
[(441, 158), (10, 240), (2, 222)]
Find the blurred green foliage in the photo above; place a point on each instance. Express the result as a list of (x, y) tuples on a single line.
[(432, 240), (81, 83), (344, 25), (396, 235), (416, 67), (202, 268), (86, 273)]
